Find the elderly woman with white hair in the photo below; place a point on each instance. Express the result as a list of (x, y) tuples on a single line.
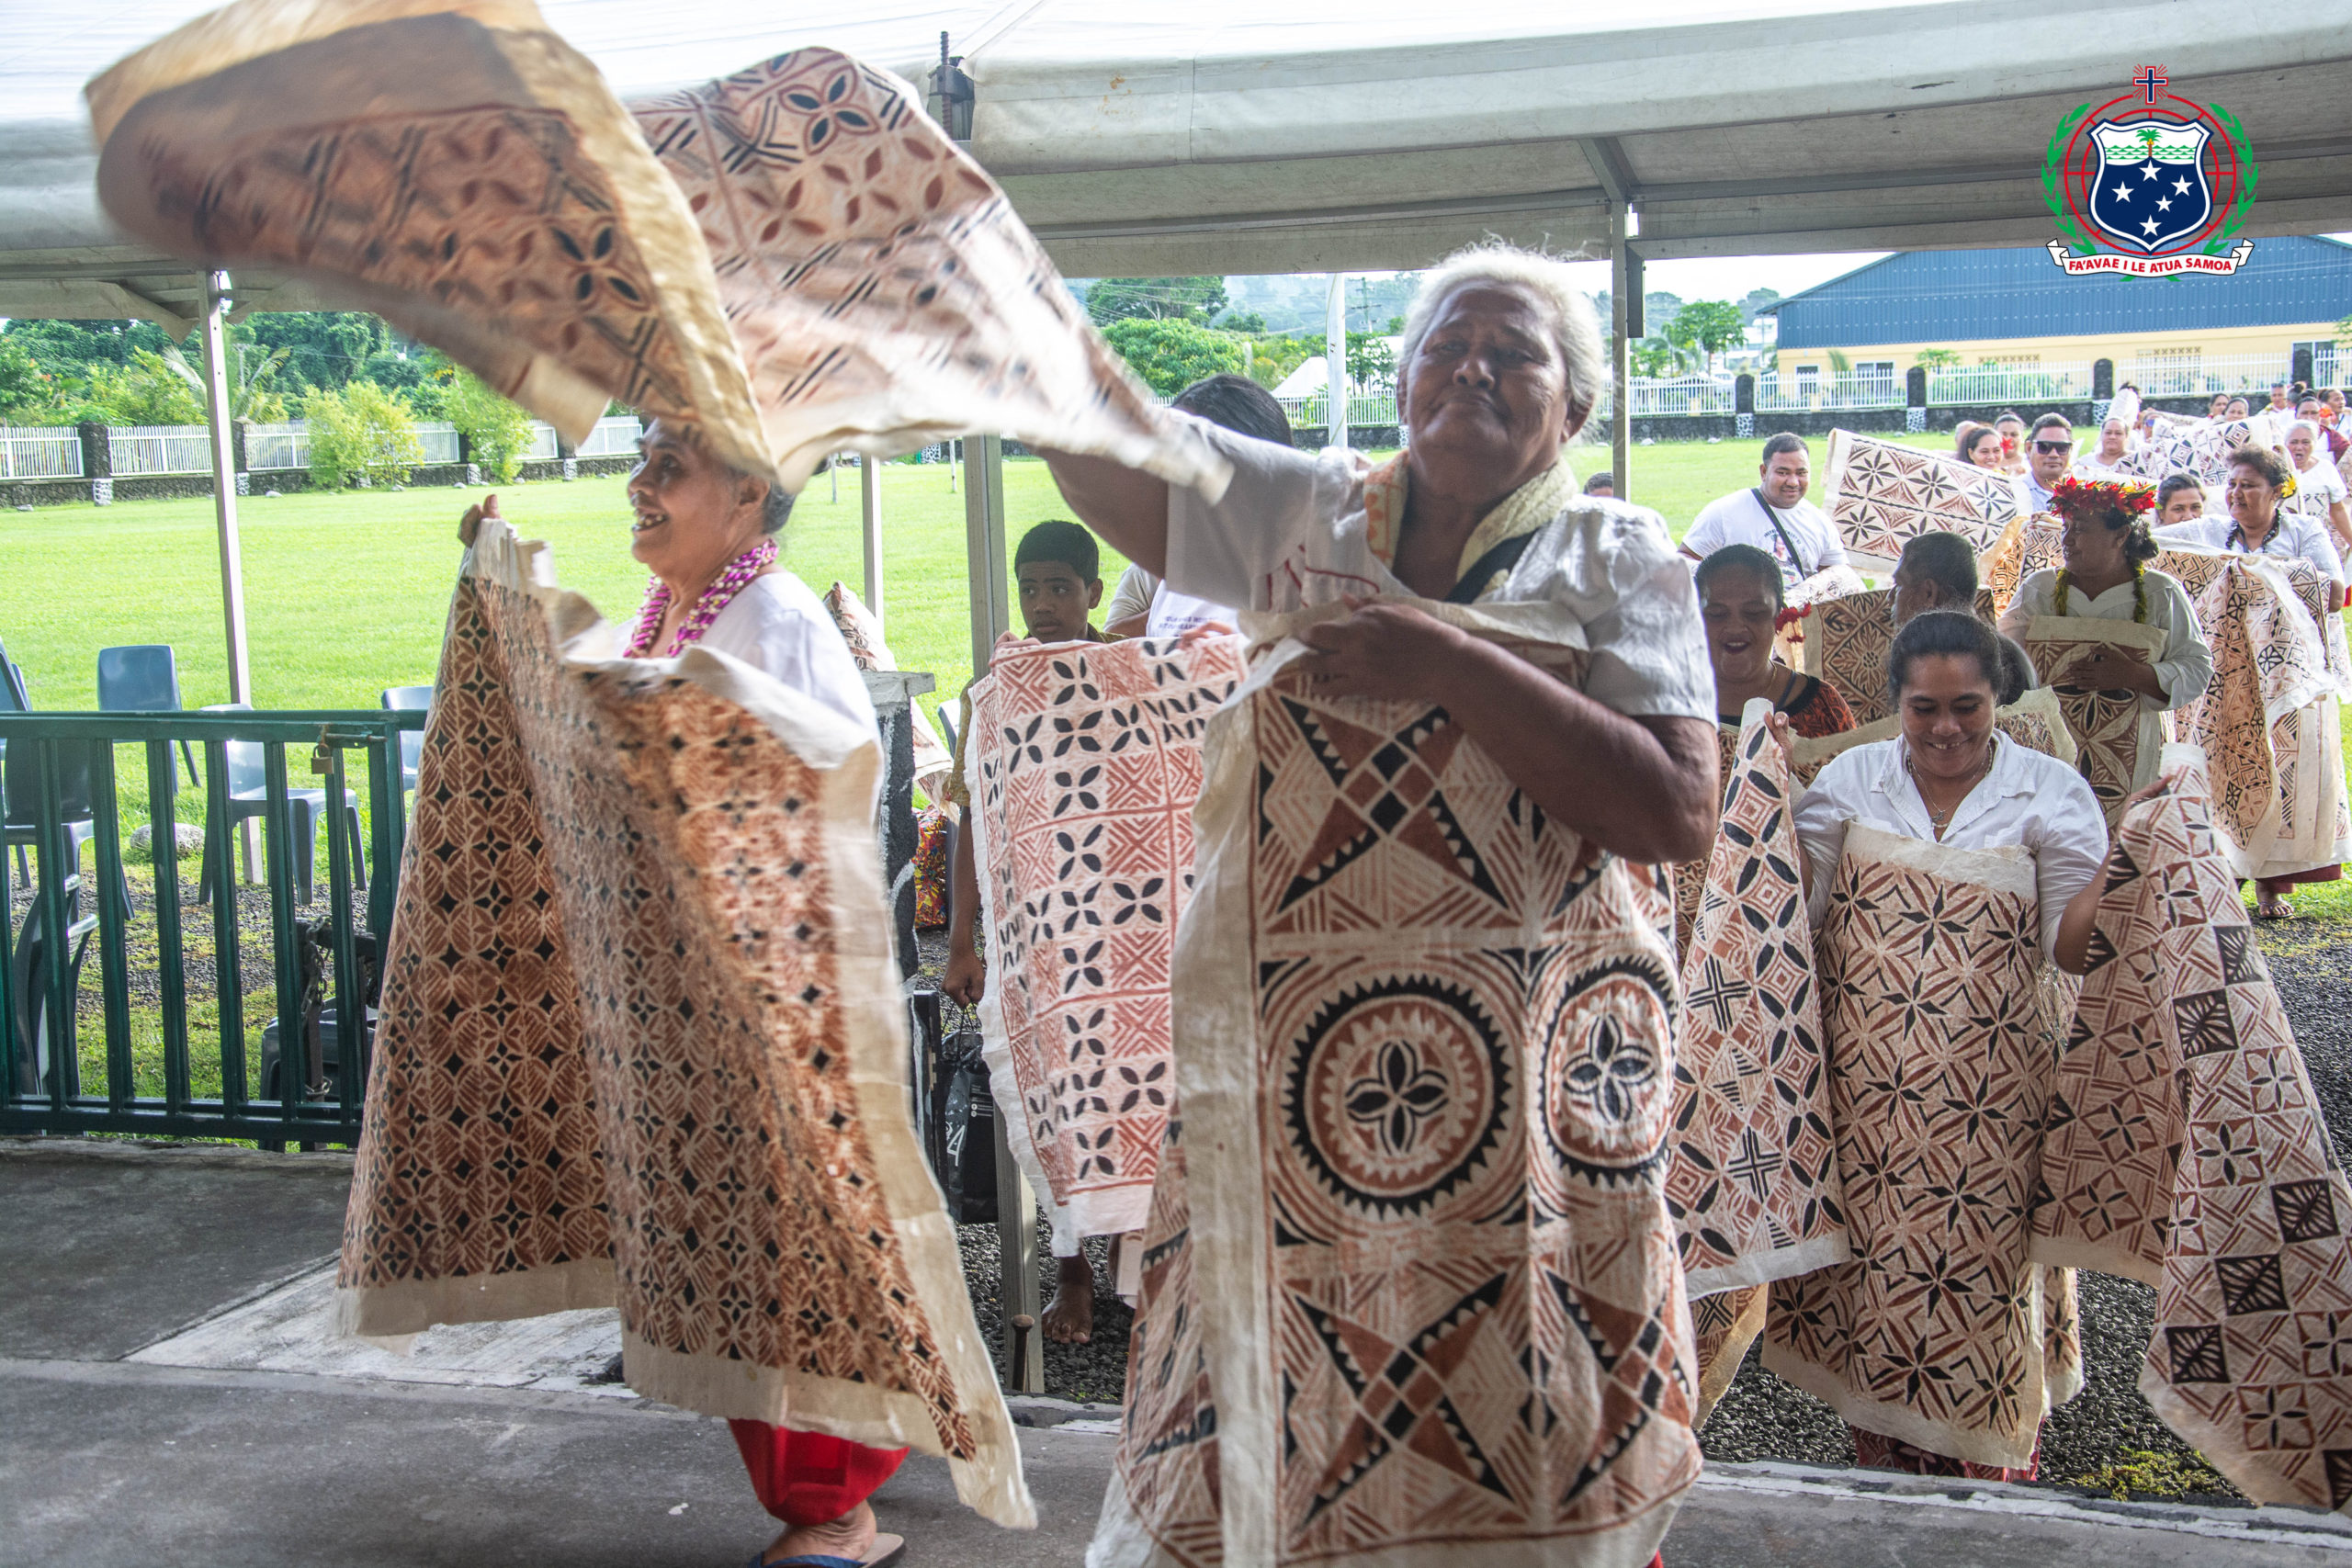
[(2319, 486), (1422, 998)]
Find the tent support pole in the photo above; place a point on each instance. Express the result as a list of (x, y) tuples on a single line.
[(224, 508), (1335, 361), (1623, 278), (869, 491), (984, 555)]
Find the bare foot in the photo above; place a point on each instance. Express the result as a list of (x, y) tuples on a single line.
[(1069, 1316), (851, 1536)]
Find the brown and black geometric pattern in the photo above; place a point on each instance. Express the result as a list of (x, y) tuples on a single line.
[(1083, 762), (1934, 1332), (2185, 1149), (2109, 741), (1847, 642), (1459, 1018), (619, 1023), (491, 207), (2027, 545), (1753, 1187), (879, 284), (1882, 494)]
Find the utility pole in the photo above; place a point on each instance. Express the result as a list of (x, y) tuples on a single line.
[(1335, 361)]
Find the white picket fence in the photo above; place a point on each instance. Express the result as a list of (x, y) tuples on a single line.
[(2178, 375), (2031, 383), (32, 454), (188, 448)]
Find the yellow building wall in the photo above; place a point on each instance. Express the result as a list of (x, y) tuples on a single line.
[(2225, 345)]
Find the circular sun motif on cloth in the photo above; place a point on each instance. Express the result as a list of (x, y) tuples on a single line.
[(1395, 1093), (1607, 1065)]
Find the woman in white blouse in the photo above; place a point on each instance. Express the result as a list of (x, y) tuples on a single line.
[(1950, 779), (2319, 488), (2105, 578), (2258, 525)]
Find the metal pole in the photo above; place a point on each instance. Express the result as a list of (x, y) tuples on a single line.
[(984, 555), (1020, 1290), (1335, 361), (224, 508), (1623, 281), (869, 486)]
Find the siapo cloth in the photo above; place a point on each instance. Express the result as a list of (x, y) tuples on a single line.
[(2186, 1149), (1083, 765), (800, 262), (1882, 494), (1942, 1331), (1846, 642), (1424, 1066), (1753, 1187), (2116, 740), (642, 1044)]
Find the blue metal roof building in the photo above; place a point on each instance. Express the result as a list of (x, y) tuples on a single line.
[(1951, 297)]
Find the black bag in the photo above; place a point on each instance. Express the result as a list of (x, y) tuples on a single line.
[(961, 1130)]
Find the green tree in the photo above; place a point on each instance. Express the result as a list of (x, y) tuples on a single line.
[(1757, 301), (25, 389), (67, 349), (1372, 364), (1249, 322), (325, 348), (1194, 299), (1938, 359), (1172, 354), (251, 370), (1271, 359), (497, 433), (361, 435), (2343, 332), (1709, 325), (145, 391)]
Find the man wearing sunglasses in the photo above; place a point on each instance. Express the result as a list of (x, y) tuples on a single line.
[(2047, 453)]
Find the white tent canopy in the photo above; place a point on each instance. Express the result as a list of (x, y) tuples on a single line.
[(1252, 136)]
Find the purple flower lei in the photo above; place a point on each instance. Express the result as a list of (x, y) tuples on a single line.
[(714, 598)]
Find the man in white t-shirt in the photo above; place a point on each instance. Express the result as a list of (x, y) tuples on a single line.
[(1775, 517)]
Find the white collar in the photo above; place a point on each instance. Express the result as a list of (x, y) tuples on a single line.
[(2007, 778)]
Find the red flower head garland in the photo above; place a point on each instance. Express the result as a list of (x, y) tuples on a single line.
[(2086, 500), (1790, 618)]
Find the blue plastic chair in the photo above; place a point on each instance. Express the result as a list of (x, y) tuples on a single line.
[(409, 699), (143, 677), (249, 796)]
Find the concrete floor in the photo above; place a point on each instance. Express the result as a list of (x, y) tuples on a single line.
[(108, 1251)]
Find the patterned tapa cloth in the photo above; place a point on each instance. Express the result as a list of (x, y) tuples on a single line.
[(801, 261), (2027, 545), (1882, 494), (1690, 877), (2200, 446), (642, 1044), (1083, 763), (882, 289), (1846, 641), (1414, 1298), (1753, 1185), (1830, 582), (2186, 1149), (2116, 742), (1942, 1331), (862, 629)]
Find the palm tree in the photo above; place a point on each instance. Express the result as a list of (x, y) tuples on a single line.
[(249, 378)]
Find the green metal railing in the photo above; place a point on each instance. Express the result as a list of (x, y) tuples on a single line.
[(48, 755)]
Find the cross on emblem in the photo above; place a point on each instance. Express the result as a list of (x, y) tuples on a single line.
[(2150, 79)]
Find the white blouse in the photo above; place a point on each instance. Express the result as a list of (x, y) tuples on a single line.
[(1291, 532), (2184, 665), (2296, 534), (778, 626), (2028, 798)]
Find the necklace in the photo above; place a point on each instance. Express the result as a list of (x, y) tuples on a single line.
[(1939, 820), (733, 579)]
